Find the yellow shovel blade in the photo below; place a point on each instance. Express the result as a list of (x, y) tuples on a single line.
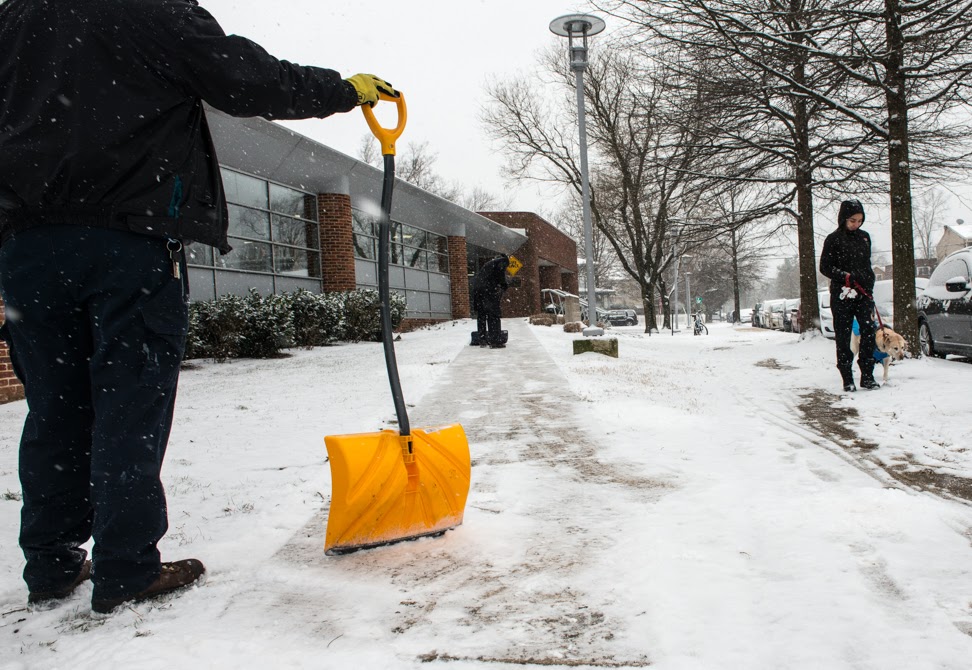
[(386, 488)]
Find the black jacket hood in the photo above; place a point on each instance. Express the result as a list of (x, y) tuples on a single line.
[(849, 208)]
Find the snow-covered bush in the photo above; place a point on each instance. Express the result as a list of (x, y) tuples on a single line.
[(259, 327), (362, 314), (215, 327), (268, 325), (318, 317)]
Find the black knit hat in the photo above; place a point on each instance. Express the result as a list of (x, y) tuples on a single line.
[(849, 208)]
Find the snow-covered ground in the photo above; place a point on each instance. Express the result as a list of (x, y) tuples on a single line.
[(699, 502)]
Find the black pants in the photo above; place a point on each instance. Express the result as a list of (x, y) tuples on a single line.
[(96, 325), (844, 313), (488, 320)]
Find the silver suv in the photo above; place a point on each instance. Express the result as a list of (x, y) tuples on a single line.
[(945, 307)]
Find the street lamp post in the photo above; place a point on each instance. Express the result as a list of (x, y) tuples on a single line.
[(577, 28), (688, 298)]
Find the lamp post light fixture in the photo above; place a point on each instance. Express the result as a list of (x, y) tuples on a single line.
[(577, 28)]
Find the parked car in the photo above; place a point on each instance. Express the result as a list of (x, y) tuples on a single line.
[(791, 319), (746, 316), (826, 315), (773, 314), (945, 307), (884, 297), (623, 317), (757, 316)]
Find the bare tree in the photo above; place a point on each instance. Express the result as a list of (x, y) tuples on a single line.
[(743, 242), (929, 217), (647, 154), (908, 65), (785, 137), (570, 220), (416, 165)]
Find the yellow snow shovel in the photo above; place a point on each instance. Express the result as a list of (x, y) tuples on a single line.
[(394, 485)]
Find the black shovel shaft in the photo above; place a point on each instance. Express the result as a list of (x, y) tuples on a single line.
[(384, 293)]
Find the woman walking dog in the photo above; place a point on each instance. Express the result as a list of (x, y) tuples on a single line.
[(846, 261)]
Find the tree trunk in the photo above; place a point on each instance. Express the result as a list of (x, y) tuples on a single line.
[(902, 232), (803, 177), (735, 277), (666, 305), (648, 300)]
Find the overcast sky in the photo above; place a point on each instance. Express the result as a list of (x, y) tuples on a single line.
[(441, 53)]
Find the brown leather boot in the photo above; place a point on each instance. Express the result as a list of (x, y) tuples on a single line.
[(172, 577), (60, 594)]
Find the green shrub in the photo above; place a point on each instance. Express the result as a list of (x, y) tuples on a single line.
[(259, 327), (362, 314), (268, 325), (215, 327), (318, 317)]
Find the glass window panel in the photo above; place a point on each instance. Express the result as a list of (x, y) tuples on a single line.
[(199, 254), (439, 283), (246, 222), (242, 189), (295, 262), (397, 254), (292, 203), (364, 224), (299, 233), (415, 258), (413, 237), (441, 303), (438, 263), (437, 243), (365, 247), (396, 233), (248, 256)]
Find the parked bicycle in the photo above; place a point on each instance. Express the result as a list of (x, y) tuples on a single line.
[(700, 327)]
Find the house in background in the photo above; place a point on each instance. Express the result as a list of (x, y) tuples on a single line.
[(955, 236)]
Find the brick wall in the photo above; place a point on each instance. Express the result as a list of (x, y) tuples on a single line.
[(549, 260), (337, 241), (459, 277), (10, 388)]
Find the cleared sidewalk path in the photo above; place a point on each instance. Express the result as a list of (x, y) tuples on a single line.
[(542, 512)]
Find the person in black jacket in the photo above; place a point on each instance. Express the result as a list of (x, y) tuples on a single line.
[(107, 169), (846, 261), (489, 284)]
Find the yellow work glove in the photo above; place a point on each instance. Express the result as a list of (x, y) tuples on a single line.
[(368, 86)]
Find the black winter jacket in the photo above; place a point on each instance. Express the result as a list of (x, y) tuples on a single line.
[(847, 252), (102, 120), (491, 281)]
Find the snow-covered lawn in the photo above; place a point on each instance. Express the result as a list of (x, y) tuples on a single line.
[(700, 502)]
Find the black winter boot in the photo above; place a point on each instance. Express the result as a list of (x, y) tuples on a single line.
[(868, 382), (848, 379)]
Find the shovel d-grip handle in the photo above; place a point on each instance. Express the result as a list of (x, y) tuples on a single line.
[(387, 136)]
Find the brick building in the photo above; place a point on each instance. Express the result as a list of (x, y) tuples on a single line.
[(302, 215), (549, 258)]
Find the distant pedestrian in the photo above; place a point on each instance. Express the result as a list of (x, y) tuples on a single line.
[(846, 261), (107, 169), (489, 285)]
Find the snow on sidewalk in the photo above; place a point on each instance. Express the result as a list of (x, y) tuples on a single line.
[(670, 507)]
